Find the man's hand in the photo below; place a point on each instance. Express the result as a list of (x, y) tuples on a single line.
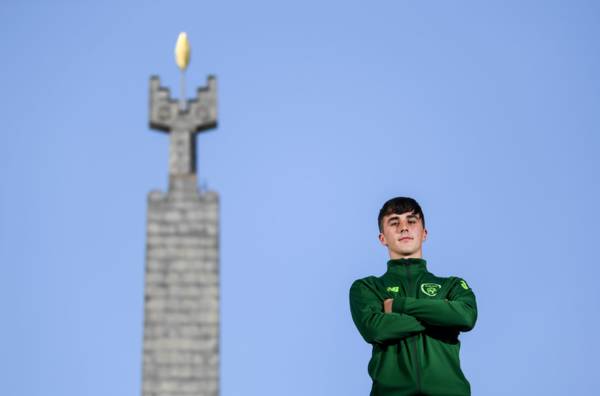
[(387, 305)]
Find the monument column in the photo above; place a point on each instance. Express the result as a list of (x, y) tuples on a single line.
[(181, 308)]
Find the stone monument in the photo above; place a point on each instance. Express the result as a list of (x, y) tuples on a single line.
[(181, 307)]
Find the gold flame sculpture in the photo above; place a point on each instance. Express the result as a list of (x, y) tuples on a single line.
[(182, 51)]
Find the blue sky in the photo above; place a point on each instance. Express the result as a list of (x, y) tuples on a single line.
[(485, 112)]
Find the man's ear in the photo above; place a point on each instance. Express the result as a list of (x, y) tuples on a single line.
[(382, 239), (424, 233)]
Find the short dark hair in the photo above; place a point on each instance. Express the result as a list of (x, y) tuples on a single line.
[(400, 205)]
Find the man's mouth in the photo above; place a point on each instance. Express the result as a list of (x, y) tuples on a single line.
[(405, 239)]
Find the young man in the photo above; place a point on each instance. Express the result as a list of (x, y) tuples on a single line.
[(410, 316)]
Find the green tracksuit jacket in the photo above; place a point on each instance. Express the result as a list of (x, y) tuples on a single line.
[(416, 346)]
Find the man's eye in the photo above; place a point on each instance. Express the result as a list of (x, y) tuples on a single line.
[(394, 223), (412, 221)]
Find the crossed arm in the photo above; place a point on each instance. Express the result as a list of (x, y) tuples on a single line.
[(376, 326), (458, 311), (405, 316)]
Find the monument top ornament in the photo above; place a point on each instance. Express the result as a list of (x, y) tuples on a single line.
[(183, 118)]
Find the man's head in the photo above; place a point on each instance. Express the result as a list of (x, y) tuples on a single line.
[(402, 228)]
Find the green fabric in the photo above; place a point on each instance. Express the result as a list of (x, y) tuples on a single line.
[(416, 346)]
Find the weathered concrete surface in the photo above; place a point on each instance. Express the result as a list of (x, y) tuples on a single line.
[(181, 316)]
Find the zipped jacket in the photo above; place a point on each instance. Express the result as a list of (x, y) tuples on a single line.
[(416, 346)]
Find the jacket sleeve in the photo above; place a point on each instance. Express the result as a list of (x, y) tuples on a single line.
[(458, 311), (373, 324)]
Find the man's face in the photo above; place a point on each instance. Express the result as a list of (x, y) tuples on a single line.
[(403, 234)]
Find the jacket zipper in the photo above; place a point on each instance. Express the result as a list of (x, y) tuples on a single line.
[(415, 339)]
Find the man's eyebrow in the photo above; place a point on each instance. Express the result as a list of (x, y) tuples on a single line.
[(410, 216)]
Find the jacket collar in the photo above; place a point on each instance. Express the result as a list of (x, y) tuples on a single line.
[(404, 265)]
